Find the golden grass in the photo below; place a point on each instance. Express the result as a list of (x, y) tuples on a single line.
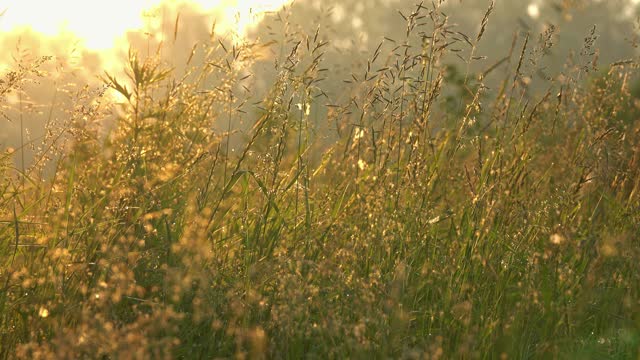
[(442, 219)]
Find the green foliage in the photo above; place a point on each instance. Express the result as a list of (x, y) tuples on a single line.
[(477, 224)]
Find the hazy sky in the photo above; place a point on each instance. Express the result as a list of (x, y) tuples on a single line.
[(102, 29), (102, 26)]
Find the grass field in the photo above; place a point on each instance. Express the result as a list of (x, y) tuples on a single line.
[(448, 214)]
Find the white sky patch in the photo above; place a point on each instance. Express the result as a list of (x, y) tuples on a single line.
[(533, 10)]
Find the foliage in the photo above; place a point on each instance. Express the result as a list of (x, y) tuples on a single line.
[(504, 225)]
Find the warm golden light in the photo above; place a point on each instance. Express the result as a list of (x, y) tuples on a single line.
[(99, 25), (96, 23), (239, 16)]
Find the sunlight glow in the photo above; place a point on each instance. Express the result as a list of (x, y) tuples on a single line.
[(533, 11), (239, 15), (99, 24)]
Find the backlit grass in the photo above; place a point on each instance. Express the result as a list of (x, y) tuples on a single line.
[(449, 213)]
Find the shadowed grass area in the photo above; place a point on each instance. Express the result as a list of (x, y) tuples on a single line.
[(448, 214)]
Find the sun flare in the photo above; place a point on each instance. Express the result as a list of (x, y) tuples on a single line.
[(99, 25)]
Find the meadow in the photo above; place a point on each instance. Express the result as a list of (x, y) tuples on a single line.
[(432, 211)]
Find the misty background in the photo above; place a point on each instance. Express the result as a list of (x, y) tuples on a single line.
[(67, 80)]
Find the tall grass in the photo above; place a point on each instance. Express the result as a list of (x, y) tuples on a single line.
[(452, 214)]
